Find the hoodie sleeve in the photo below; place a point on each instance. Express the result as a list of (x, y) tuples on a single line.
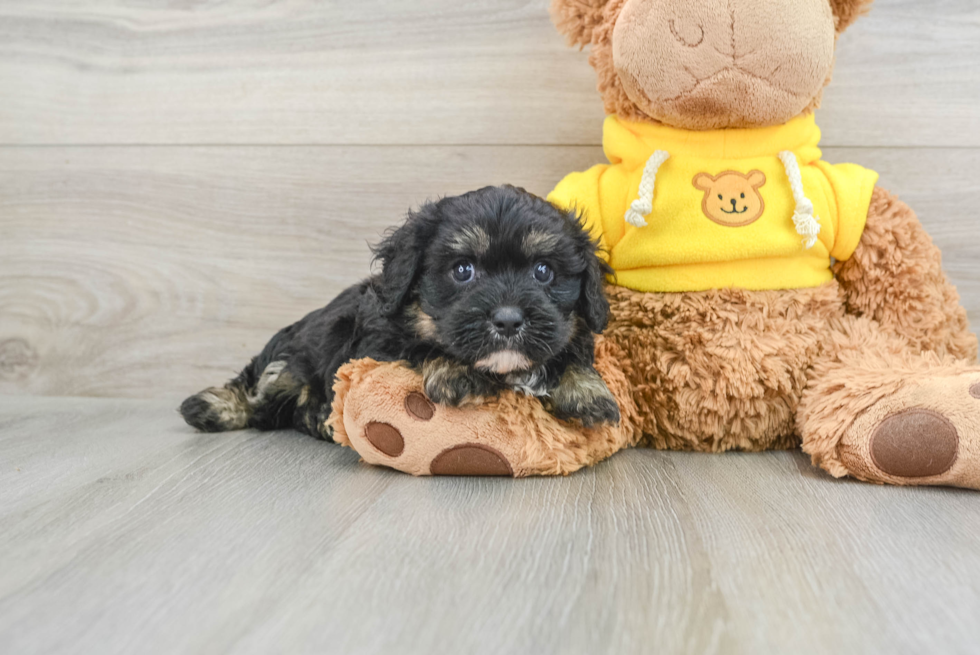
[(852, 187)]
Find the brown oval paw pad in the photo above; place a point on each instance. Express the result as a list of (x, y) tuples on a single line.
[(419, 406), (916, 443), (385, 438), (470, 459), (975, 391)]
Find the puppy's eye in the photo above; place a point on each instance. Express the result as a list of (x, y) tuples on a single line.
[(464, 272), (543, 273)]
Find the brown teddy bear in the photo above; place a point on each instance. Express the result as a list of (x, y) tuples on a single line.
[(763, 298)]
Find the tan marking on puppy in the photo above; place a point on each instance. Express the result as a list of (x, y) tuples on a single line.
[(451, 383), (536, 242), (529, 383), (471, 239), (304, 396), (230, 406), (581, 393), (425, 325), (503, 362), (268, 377), (439, 376), (581, 383)]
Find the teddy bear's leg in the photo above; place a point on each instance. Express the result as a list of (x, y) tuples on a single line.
[(895, 277), (381, 412), (894, 397), (878, 410)]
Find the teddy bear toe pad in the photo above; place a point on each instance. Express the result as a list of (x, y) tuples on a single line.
[(390, 422), (464, 459), (425, 453), (385, 438), (915, 443), (420, 407), (471, 459)]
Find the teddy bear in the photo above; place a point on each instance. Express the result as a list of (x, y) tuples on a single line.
[(762, 297)]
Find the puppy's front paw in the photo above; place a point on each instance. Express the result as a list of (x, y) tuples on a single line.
[(590, 412), (450, 383), (581, 395), (602, 410)]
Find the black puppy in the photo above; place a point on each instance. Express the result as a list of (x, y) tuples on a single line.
[(493, 289)]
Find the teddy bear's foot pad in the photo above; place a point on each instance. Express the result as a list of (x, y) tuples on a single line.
[(925, 434), (471, 459), (409, 432), (385, 438), (915, 443)]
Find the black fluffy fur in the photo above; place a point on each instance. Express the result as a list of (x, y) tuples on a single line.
[(415, 310)]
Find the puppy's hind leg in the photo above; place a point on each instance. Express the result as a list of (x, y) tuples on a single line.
[(218, 409), (263, 400)]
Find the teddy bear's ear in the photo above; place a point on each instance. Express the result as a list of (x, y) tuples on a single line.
[(577, 18), (703, 182), (848, 11)]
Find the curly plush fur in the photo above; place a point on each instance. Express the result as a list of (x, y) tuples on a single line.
[(873, 374)]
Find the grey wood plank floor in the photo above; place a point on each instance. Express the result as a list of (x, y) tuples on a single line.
[(121, 531)]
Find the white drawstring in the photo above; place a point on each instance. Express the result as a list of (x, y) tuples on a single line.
[(643, 205), (807, 225)]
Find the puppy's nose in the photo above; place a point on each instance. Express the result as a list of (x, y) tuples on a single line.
[(733, 203), (507, 320)]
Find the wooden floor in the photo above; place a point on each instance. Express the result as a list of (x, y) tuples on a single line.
[(122, 532), (180, 179)]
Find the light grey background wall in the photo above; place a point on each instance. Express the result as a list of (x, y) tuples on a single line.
[(180, 179)]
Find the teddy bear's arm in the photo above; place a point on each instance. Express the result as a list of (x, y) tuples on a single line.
[(895, 277)]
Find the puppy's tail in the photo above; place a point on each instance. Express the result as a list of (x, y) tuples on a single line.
[(218, 409)]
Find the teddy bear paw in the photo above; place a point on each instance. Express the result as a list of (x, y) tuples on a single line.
[(424, 439), (928, 434)]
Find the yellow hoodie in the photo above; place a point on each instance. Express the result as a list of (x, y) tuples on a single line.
[(679, 210)]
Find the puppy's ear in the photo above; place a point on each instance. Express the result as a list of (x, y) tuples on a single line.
[(401, 255), (593, 305)]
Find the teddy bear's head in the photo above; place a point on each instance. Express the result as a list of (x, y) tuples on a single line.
[(709, 64)]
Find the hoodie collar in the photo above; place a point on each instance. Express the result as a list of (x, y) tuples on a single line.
[(632, 143)]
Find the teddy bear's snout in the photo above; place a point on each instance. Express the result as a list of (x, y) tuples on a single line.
[(693, 63)]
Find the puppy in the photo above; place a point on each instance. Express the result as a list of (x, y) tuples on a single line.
[(490, 290)]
